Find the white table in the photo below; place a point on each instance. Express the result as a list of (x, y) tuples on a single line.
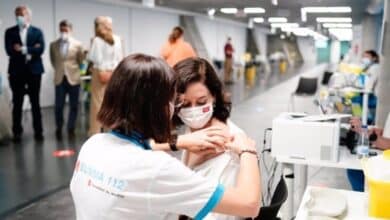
[(357, 204), (346, 161)]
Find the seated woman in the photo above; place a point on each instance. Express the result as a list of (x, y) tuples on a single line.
[(202, 104)]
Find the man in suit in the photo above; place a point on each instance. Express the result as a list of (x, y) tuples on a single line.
[(24, 45), (66, 56)]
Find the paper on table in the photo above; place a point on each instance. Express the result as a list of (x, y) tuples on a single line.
[(325, 117)]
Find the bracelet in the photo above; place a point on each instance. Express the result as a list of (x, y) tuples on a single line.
[(250, 152)]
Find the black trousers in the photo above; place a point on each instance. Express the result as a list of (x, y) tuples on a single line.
[(25, 84)]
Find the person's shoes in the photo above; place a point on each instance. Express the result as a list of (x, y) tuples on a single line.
[(38, 137), (17, 138), (71, 133)]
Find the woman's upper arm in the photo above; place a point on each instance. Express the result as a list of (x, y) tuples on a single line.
[(95, 52), (165, 50), (233, 203)]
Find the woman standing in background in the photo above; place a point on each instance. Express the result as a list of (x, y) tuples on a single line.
[(176, 49), (105, 54)]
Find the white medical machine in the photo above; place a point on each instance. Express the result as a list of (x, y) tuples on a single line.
[(306, 137)]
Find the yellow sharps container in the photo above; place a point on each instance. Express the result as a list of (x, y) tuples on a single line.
[(377, 172)]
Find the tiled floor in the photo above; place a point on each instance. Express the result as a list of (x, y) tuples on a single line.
[(29, 170)]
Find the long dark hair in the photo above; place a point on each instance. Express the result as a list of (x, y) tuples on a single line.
[(373, 54), (137, 97), (193, 70), (176, 33)]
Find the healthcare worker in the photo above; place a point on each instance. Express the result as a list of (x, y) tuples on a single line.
[(372, 69), (117, 174), (202, 104)]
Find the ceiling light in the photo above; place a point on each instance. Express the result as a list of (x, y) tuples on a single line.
[(334, 19), (148, 3), (337, 25), (306, 10), (327, 9), (274, 2), (277, 19), (258, 20), (211, 12), (229, 10), (254, 10), (284, 25)]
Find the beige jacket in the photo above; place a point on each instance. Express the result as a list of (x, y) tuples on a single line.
[(68, 65)]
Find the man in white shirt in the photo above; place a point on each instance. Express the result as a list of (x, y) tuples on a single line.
[(24, 45), (66, 56)]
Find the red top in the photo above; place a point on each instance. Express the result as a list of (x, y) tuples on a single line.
[(229, 50)]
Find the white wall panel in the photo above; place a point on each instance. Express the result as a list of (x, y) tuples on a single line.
[(307, 47), (261, 39), (215, 33), (83, 13), (150, 30), (208, 32)]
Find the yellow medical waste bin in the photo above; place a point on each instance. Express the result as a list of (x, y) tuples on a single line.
[(377, 172)]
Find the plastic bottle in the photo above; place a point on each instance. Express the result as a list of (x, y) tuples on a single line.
[(363, 147)]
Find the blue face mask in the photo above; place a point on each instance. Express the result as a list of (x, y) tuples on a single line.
[(20, 21)]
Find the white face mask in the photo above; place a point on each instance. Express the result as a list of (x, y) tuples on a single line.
[(64, 36), (366, 61), (20, 21), (196, 117)]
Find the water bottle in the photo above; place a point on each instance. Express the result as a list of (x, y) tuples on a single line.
[(363, 147)]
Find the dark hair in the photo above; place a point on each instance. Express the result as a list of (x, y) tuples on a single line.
[(177, 32), (192, 70), (66, 23), (137, 97), (373, 54)]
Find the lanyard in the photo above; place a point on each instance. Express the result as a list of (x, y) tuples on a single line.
[(135, 138)]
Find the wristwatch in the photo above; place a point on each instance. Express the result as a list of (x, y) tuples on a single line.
[(173, 143)]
